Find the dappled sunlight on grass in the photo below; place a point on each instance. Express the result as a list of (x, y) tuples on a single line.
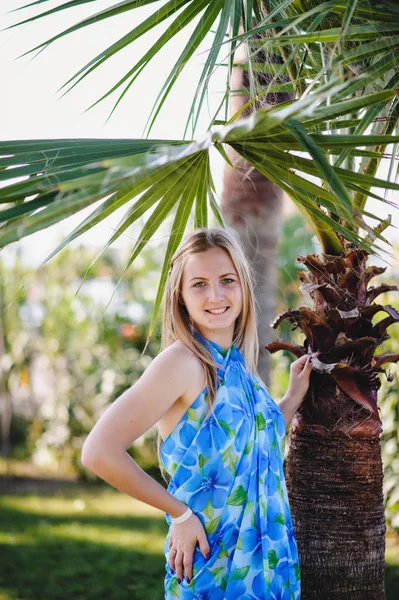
[(15, 539), (141, 540), (103, 502), (100, 535)]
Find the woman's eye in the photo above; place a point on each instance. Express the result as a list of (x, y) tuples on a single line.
[(228, 279)]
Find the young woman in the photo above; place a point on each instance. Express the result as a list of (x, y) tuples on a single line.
[(230, 526)]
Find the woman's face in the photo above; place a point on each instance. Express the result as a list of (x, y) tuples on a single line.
[(210, 281)]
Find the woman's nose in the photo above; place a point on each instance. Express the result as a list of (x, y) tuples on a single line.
[(215, 293)]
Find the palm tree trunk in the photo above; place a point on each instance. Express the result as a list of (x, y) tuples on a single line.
[(334, 471), (335, 491), (253, 206)]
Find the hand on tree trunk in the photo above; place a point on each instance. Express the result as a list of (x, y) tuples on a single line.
[(298, 386)]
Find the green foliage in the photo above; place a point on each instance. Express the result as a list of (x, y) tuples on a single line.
[(389, 404), (68, 360), (296, 238)]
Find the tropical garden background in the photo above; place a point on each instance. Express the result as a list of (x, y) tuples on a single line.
[(66, 356)]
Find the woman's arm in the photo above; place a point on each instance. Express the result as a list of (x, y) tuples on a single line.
[(288, 406), (139, 408)]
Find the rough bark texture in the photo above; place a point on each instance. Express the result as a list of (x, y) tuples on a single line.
[(335, 491)]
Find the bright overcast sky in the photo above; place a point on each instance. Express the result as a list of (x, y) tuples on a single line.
[(30, 108)]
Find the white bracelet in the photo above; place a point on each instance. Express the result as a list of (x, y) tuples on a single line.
[(183, 517)]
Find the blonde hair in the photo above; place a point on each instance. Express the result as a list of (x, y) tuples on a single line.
[(177, 324)]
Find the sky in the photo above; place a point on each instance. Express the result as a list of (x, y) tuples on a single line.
[(31, 107)]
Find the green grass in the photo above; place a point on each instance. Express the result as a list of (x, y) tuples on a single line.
[(80, 545), (88, 542)]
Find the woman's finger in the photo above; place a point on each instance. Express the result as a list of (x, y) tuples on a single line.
[(179, 565), (188, 566), (172, 557), (302, 363), (298, 364), (309, 362)]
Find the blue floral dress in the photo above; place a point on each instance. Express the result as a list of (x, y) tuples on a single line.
[(229, 470)]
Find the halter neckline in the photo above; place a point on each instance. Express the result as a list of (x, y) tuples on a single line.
[(215, 345)]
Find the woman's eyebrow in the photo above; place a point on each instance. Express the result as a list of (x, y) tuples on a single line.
[(225, 275)]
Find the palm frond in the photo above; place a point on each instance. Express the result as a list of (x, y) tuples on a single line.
[(57, 178), (354, 36)]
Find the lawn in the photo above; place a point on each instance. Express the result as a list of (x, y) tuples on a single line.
[(82, 542)]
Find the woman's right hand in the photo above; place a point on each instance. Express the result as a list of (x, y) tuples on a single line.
[(182, 542)]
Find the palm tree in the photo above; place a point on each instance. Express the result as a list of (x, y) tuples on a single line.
[(338, 59), (337, 503)]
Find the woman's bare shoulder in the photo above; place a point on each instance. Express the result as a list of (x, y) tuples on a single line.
[(182, 356)]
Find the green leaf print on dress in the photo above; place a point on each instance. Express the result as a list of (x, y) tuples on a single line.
[(228, 468)]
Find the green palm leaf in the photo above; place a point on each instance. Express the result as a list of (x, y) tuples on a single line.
[(66, 176)]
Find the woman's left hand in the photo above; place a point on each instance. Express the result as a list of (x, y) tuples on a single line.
[(300, 370)]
